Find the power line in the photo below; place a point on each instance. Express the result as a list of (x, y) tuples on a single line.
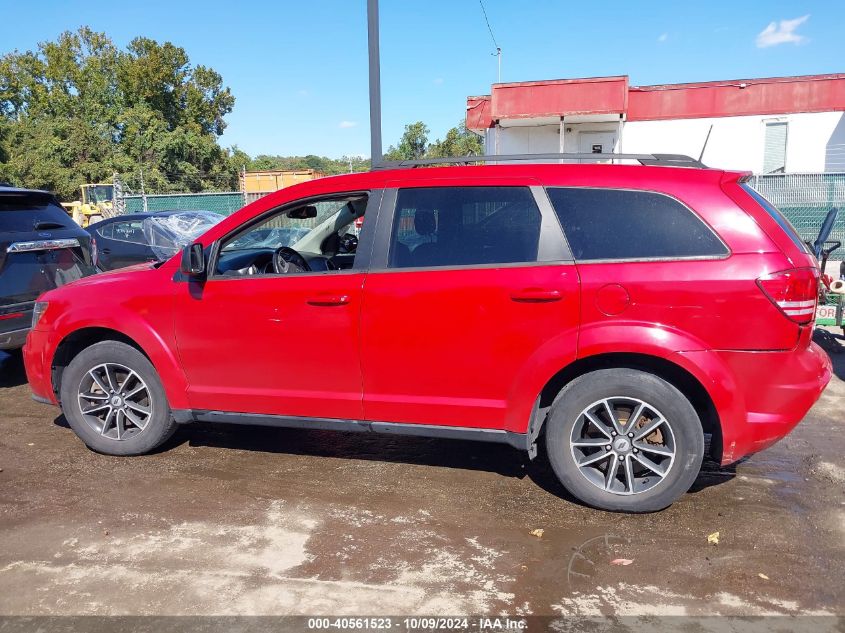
[(498, 52), (489, 28)]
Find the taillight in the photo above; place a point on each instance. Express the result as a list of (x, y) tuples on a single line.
[(794, 291)]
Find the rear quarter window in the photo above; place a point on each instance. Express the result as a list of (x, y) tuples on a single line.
[(616, 224), (778, 217)]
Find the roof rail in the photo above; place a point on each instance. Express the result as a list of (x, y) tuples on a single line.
[(676, 160)]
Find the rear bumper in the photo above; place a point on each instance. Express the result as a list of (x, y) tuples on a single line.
[(15, 321), (14, 339), (38, 369), (762, 396)]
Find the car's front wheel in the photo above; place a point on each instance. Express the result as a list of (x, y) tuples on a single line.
[(113, 399), (624, 440)]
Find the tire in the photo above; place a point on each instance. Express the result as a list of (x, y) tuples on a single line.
[(674, 446), (133, 425)]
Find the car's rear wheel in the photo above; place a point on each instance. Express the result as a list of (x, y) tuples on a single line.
[(113, 399), (624, 440)]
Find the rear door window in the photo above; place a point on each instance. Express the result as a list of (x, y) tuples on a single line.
[(464, 226), (132, 231), (616, 224)]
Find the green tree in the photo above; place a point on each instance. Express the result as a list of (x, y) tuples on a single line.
[(413, 144), (79, 109), (459, 141), (329, 166)]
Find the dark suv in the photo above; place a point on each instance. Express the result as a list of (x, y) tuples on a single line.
[(623, 312), (41, 248)]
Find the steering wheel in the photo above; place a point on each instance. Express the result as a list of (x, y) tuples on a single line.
[(286, 260)]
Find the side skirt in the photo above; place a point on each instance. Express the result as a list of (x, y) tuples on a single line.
[(519, 441)]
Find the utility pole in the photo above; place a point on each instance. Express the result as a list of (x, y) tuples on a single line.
[(375, 83), (119, 202), (499, 63), (143, 190)]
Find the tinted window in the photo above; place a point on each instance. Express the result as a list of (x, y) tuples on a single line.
[(21, 212), (455, 226), (617, 224)]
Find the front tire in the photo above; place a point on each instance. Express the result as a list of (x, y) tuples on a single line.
[(624, 440), (114, 401)]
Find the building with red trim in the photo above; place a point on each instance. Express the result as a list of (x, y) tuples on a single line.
[(771, 125)]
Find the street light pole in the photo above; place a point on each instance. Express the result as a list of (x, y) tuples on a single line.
[(375, 83)]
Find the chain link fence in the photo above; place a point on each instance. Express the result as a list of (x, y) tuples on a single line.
[(805, 200), (224, 203)]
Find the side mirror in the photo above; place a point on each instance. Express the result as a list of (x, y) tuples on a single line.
[(193, 260)]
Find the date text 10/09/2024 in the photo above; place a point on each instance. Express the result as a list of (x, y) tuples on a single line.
[(419, 623)]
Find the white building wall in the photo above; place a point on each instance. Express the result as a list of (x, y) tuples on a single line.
[(540, 139), (815, 140)]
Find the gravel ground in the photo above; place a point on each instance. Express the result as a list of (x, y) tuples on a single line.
[(249, 520)]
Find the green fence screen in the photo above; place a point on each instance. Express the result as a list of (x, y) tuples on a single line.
[(805, 199), (223, 203)]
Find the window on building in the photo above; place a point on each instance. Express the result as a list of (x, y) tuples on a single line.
[(618, 224), (461, 226), (774, 151)]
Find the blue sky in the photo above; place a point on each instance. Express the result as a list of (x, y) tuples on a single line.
[(299, 69)]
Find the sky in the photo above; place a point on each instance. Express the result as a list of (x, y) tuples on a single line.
[(298, 69)]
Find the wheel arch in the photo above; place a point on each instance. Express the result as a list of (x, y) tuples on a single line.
[(673, 373), (79, 339)]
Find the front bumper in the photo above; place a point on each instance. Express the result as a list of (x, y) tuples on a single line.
[(38, 367)]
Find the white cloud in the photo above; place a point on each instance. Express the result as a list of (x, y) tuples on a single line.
[(782, 32), (438, 81), (303, 93), (663, 37), (347, 124)]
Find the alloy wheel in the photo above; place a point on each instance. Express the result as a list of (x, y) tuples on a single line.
[(115, 401), (623, 445)]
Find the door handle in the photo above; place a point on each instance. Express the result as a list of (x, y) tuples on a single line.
[(536, 295), (105, 251), (329, 300)]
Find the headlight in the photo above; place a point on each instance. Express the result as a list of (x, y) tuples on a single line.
[(38, 311)]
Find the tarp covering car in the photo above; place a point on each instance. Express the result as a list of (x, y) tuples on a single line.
[(168, 234)]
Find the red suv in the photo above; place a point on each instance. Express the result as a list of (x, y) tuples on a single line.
[(620, 313)]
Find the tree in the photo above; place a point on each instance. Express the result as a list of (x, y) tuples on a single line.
[(459, 141), (79, 109), (412, 145)]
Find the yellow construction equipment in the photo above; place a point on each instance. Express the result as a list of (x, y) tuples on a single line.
[(96, 202)]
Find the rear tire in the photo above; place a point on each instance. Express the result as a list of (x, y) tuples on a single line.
[(125, 407), (611, 465)]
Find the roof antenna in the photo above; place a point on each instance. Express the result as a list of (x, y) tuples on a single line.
[(498, 52), (704, 147)]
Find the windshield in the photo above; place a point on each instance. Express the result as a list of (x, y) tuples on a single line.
[(100, 193), (282, 230), (168, 234)]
